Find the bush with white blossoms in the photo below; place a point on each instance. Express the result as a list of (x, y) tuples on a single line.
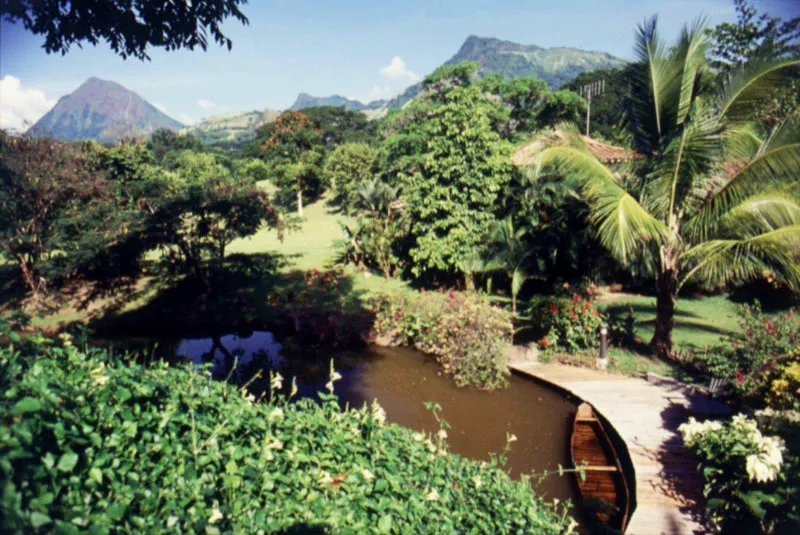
[(742, 467)]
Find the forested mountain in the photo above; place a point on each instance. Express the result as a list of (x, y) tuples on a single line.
[(231, 127), (104, 111), (556, 66)]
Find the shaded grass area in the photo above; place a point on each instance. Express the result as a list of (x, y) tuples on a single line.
[(257, 269), (699, 322)]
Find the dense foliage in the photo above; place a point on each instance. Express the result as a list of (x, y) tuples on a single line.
[(91, 444), (348, 168), (767, 347), (467, 336), (714, 201), (88, 210)]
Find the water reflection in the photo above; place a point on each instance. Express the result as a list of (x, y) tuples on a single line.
[(401, 379)]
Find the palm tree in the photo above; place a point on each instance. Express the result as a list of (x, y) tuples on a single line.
[(508, 251), (715, 201)]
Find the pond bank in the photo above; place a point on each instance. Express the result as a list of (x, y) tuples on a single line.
[(646, 416)]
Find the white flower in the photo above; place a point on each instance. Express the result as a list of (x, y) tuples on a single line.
[(378, 414), (101, 379), (250, 398), (442, 434), (367, 475), (325, 478), (294, 387), (759, 470), (66, 339), (432, 496), (511, 438), (171, 521), (418, 437), (477, 481), (336, 376), (216, 515), (276, 382)]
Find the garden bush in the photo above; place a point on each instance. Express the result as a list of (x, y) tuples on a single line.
[(468, 336), (570, 324), (751, 476), (764, 350), (89, 444)]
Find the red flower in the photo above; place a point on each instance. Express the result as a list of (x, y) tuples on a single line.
[(452, 295), (566, 286), (595, 313), (553, 308), (771, 327)]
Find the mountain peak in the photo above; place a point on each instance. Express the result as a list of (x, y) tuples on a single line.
[(102, 110)]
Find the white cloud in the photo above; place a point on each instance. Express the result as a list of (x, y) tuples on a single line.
[(396, 70), (380, 92), (206, 104), (186, 119), (160, 107), (20, 107)]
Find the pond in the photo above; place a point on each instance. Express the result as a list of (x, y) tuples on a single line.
[(402, 379)]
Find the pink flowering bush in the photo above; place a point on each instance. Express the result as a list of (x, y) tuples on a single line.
[(751, 359), (468, 336)]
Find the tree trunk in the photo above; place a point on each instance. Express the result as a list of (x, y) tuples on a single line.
[(469, 281), (299, 198), (28, 276), (666, 294)]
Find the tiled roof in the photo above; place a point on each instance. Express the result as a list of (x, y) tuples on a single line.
[(602, 151)]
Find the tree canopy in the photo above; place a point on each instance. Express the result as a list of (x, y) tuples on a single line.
[(128, 26)]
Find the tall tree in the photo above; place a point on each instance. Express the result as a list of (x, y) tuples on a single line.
[(295, 149), (451, 198), (348, 167), (754, 36), (715, 203), (128, 26)]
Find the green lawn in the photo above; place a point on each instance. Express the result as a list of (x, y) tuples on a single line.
[(312, 246), (699, 322)]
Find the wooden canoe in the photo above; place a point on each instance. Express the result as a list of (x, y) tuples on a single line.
[(603, 488)]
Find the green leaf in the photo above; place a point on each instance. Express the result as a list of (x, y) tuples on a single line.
[(96, 474), (385, 524), (39, 519), (67, 462), (26, 405)]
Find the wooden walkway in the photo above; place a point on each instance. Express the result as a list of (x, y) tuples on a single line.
[(646, 415)]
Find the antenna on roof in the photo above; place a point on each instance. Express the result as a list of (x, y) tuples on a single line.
[(588, 91)]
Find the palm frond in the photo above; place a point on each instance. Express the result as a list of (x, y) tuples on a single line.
[(622, 224), (691, 54), (775, 166), (653, 88), (762, 213), (686, 163), (749, 85), (727, 261)]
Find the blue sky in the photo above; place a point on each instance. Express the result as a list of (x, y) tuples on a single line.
[(325, 47)]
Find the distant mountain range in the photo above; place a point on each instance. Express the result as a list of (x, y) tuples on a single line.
[(304, 100), (104, 111), (231, 127), (556, 66)]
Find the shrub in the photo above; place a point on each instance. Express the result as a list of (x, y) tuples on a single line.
[(570, 325), (753, 358), (750, 477), (92, 445), (468, 337)]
